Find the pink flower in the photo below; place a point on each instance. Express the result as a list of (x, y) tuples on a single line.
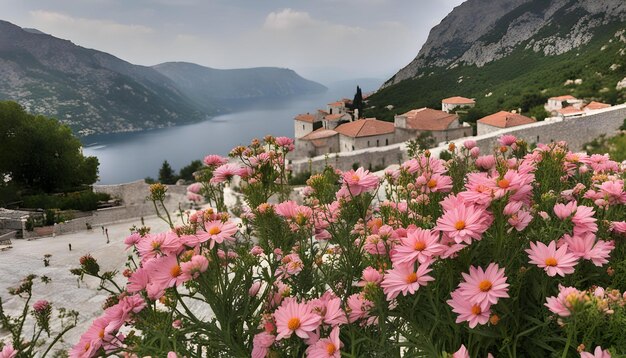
[(463, 223), (461, 353), (226, 172), (475, 152), (158, 245), (120, 313), (138, 281), (214, 160), (194, 188), (285, 142), (486, 162), (194, 267), (165, 272), (419, 245), (564, 211), (507, 140), (520, 220), (469, 144), (484, 288), (261, 344), (132, 240), (290, 210), (370, 275), (584, 221), (91, 341), (618, 227), (358, 307), (326, 347), (41, 305), (404, 278), (8, 351), (553, 261), (254, 288), (293, 317), (468, 311), (216, 232), (613, 191), (359, 181), (597, 353)]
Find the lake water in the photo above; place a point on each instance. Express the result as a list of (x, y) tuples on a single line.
[(126, 157)]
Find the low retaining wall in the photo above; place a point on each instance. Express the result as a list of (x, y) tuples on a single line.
[(575, 131)]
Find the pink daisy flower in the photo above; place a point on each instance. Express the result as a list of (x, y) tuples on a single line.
[(326, 347), (261, 344), (404, 278), (194, 267), (597, 353), (329, 308), (359, 181), (467, 311), (91, 341), (553, 261), (132, 240), (165, 271), (138, 281), (437, 183), (419, 245), (484, 288), (520, 220), (216, 232), (226, 172), (293, 317), (486, 162), (214, 160), (564, 211), (154, 245), (463, 223), (461, 353), (618, 227), (562, 304), (370, 276), (8, 351), (507, 139), (358, 307), (584, 221)]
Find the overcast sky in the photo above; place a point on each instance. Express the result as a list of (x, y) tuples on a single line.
[(320, 39)]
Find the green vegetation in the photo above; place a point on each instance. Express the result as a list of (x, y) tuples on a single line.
[(83, 200), (522, 80), (38, 156), (167, 175)]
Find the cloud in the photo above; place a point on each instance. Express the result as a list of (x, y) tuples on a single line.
[(60, 21), (287, 19)]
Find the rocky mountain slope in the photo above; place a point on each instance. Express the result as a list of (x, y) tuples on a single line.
[(478, 32), (210, 85), (94, 92), (502, 52)]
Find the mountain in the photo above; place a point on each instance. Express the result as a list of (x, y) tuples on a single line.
[(94, 92), (205, 84), (499, 51), (91, 91)]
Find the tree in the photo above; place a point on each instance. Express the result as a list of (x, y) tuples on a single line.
[(167, 174), (40, 154), (186, 173), (357, 102)]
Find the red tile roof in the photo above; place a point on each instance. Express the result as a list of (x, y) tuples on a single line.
[(428, 119), (333, 117), (569, 111), (504, 119), (337, 104), (563, 98), (458, 100), (597, 105), (365, 128), (319, 134), (305, 118)]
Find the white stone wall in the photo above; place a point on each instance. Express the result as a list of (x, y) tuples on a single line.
[(302, 128), (576, 131), (482, 128), (449, 107)]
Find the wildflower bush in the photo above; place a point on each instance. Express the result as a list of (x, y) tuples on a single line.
[(515, 253)]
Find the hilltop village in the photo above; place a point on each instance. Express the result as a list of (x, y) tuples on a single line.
[(339, 129)]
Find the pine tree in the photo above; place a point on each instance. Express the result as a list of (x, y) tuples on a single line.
[(357, 102), (167, 174)]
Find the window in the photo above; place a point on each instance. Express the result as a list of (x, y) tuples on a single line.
[(303, 127), (352, 147), (377, 144), (368, 143), (387, 141)]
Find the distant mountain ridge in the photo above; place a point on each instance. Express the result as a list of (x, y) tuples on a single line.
[(204, 84), (94, 92)]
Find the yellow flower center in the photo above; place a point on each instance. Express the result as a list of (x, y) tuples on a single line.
[(411, 278), (355, 177), (485, 285), (476, 310), (460, 225), (330, 348), (503, 183), (175, 271), (156, 245), (87, 346), (300, 219), (101, 334), (431, 183), (293, 324), (214, 230), (551, 261), (420, 245)]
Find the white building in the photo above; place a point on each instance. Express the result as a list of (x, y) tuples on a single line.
[(501, 120), (449, 104), (556, 103)]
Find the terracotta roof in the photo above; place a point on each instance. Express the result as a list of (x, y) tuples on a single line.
[(337, 104), (333, 117), (319, 134), (504, 119), (563, 98), (324, 113), (458, 100), (597, 105), (569, 111), (365, 128), (305, 118), (428, 119)]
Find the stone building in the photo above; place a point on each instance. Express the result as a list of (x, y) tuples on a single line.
[(501, 120), (441, 125), (319, 142), (449, 104), (555, 103), (304, 124), (594, 106), (365, 133)]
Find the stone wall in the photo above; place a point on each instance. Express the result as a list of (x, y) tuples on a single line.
[(576, 131)]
